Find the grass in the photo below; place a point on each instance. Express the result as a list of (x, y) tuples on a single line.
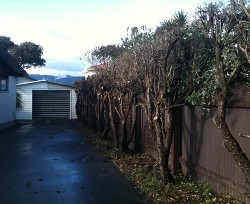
[(139, 168)]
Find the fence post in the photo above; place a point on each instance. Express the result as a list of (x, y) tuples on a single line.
[(176, 146)]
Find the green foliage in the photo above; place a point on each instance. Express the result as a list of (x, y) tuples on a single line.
[(135, 37), (28, 55), (6, 43), (220, 26), (184, 191), (102, 55), (180, 19), (139, 168), (19, 101), (207, 90), (179, 62), (107, 53)]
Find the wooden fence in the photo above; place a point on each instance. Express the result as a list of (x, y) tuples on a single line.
[(198, 148)]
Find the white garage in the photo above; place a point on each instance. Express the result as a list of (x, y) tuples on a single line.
[(46, 100)]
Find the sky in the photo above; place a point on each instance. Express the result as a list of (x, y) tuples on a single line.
[(67, 29)]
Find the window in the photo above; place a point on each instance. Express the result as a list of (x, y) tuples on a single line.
[(3, 83)]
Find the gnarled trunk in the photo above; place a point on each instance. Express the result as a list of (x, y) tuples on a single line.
[(164, 140), (124, 137), (107, 121), (163, 137), (124, 113), (229, 141), (112, 121)]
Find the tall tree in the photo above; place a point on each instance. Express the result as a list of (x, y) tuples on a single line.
[(244, 28), (106, 53), (102, 59), (126, 89), (27, 54), (164, 63), (222, 24), (6, 43)]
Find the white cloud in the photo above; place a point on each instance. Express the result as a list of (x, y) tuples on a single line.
[(68, 29), (55, 72)]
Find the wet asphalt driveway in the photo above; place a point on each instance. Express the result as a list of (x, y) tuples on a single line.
[(54, 164)]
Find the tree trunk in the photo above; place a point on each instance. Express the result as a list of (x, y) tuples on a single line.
[(123, 138), (168, 140), (124, 115), (112, 122), (106, 118), (164, 141), (93, 118), (133, 134), (229, 141), (163, 138), (101, 114)]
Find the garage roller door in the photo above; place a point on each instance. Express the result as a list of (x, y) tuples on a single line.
[(48, 104)]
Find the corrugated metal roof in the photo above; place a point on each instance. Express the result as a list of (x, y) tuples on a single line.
[(8, 65), (41, 81)]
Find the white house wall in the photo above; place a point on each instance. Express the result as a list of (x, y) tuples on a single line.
[(8, 104), (26, 91), (73, 105), (26, 94)]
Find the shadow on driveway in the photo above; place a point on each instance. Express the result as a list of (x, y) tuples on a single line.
[(53, 163)]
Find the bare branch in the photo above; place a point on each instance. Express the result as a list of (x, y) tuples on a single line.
[(174, 106), (242, 5), (246, 53), (234, 73)]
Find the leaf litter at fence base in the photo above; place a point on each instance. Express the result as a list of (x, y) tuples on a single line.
[(139, 168)]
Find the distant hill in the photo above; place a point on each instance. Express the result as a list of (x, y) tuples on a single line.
[(64, 80)]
